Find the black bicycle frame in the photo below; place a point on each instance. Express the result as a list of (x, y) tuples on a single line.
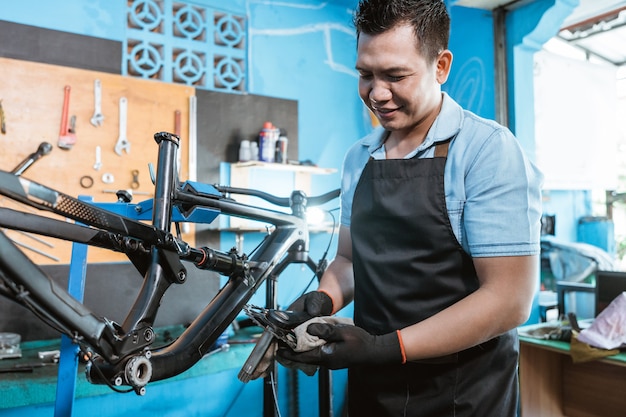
[(125, 357)]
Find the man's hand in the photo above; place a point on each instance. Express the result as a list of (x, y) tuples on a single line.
[(315, 303), (348, 346)]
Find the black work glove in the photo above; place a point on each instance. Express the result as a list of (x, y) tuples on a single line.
[(315, 303), (347, 346)]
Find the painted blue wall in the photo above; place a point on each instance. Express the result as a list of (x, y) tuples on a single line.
[(99, 18), (305, 50), (472, 77)]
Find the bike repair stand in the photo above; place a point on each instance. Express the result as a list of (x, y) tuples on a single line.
[(68, 359), (270, 382)]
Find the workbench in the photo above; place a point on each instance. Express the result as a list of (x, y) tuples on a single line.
[(552, 385), (209, 388)]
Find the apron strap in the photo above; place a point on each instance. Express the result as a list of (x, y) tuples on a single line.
[(441, 149)]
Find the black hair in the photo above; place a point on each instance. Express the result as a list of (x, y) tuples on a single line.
[(429, 19)]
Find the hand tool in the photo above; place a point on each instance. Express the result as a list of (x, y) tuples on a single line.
[(33, 249), (98, 164), (67, 136), (122, 142), (177, 123), (135, 182), (256, 356), (278, 324), (35, 238), (47, 359), (223, 348), (97, 117), (3, 126), (43, 149)]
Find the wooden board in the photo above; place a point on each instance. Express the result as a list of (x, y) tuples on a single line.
[(32, 100)]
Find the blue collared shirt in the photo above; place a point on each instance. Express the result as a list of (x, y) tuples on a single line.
[(493, 191)]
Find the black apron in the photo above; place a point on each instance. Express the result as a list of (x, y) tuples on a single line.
[(408, 265)]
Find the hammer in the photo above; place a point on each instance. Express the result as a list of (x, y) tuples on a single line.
[(43, 149)]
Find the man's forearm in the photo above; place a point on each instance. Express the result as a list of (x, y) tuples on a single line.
[(338, 282)]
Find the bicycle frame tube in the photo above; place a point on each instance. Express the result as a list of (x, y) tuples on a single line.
[(118, 345)]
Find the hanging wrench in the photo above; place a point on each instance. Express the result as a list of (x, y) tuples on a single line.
[(97, 117), (98, 164), (122, 142), (67, 136)]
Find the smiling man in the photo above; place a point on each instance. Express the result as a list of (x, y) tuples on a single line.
[(439, 238)]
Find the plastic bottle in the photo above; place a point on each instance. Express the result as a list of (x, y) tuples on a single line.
[(254, 151), (245, 153), (281, 148), (267, 143)]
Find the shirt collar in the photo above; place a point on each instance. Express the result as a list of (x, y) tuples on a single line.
[(446, 125)]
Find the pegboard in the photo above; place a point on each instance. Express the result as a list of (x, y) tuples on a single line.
[(32, 97)]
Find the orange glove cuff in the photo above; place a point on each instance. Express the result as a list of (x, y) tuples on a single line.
[(402, 351)]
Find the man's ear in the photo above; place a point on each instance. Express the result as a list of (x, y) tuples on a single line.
[(444, 63)]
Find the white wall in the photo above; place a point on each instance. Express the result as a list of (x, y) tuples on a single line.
[(576, 123)]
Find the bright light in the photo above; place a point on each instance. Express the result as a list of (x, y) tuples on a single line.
[(315, 216)]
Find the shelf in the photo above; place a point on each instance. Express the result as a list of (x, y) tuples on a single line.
[(285, 167)]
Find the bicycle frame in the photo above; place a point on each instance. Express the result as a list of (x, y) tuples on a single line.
[(124, 350)]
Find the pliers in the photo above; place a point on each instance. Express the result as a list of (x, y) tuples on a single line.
[(278, 322)]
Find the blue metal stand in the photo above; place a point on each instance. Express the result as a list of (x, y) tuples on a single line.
[(68, 360)]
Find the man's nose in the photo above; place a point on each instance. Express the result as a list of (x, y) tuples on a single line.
[(379, 92)]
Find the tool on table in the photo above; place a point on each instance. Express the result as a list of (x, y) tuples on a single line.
[(47, 358), (10, 345), (97, 117), (43, 149), (67, 135), (3, 126), (223, 348), (98, 164), (122, 142)]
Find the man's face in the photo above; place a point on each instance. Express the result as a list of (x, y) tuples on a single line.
[(396, 82)]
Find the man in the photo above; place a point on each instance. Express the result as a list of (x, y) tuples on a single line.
[(439, 236)]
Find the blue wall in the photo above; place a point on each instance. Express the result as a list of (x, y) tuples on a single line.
[(472, 77)]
